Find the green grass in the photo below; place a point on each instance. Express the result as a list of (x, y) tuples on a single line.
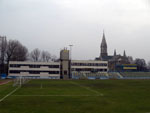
[(5, 89), (78, 96)]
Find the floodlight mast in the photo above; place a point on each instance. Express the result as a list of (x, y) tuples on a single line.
[(70, 51), (70, 58)]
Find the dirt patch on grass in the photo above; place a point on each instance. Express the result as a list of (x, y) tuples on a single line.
[(2, 82)]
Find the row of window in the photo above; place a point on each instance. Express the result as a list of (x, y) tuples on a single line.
[(33, 72), (57, 66), (33, 66), (88, 64), (91, 70)]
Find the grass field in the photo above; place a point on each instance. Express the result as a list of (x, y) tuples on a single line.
[(77, 96)]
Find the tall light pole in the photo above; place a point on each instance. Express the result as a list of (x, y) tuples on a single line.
[(70, 51), (70, 57)]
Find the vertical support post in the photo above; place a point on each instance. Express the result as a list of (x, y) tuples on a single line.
[(20, 80)]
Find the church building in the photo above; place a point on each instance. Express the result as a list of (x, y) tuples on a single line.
[(114, 61)]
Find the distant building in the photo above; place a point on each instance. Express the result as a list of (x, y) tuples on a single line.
[(113, 60)]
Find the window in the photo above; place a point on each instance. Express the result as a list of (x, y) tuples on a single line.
[(34, 66), (105, 70), (65, 72), (14, 65), (53, 66), (34, 72), (53, 72), (17, 72)]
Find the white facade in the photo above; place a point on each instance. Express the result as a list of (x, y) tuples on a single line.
[(88, 66), (53, 70), (48, 70), (89, 69)]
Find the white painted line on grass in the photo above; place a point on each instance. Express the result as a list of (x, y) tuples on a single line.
[(41, 86), (55, 95), (98, 93), (9, 94)]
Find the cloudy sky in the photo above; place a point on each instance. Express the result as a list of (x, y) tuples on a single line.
[(54, 24)]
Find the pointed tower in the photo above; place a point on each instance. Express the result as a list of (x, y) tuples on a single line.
[(103, 47), (115, 52), (124, 54)]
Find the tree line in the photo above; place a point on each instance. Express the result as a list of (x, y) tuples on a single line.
[(13, 50)]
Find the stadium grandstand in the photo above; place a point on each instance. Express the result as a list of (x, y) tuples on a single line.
[(135, 75)]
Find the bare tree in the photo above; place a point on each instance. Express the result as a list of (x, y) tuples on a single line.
[(20, 53), (45, 56), (35, 55), (54, 58), (130, 59), (15, 51), (141, 64), (148, 65), (11, 47)]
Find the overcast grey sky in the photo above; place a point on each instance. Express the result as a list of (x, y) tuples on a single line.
[(54, 24)]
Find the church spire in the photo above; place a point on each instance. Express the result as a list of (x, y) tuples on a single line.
[(124, 54), (103, 40), (103, 46)]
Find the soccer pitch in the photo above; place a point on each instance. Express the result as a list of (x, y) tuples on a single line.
[(77, 96)]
